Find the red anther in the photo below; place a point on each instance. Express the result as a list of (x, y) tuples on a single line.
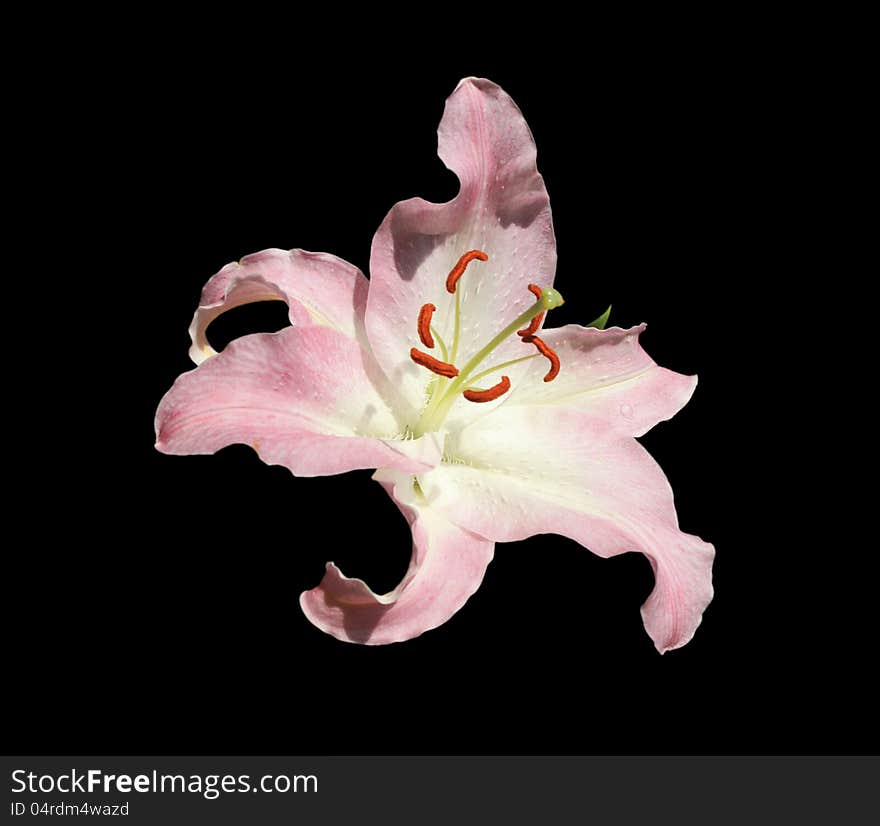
[(488, 395), (425, 325), (441, 368), (458, 270), (548, 352), (536, 321), (533, 326)]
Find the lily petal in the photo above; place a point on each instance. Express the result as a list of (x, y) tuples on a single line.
[(530, 469), (608, 375), (502, 209), (448, 565), (318, 288), (307, 398)]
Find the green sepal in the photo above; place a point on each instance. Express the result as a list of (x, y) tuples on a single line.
[(600, 322)]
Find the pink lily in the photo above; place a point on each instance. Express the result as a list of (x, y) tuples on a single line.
[(482, 430)]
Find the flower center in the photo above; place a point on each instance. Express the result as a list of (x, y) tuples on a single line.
[(453, 382)]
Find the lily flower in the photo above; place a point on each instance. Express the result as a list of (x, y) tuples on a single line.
[(483, 426)]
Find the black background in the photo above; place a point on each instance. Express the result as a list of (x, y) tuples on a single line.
[(152, 606)]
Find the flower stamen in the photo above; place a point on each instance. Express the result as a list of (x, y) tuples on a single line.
[(488, 395), (441, 368), (535, 290), (458, 270), (439, 339), (425, 315), (442, 395), (548, 352)]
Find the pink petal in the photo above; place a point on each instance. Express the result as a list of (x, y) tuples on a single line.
[(527, 470), (606, 374), (501, 209), (308, 398), (319, 289), (447, 566)]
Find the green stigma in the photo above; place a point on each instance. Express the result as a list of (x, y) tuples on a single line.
[(550, 298)]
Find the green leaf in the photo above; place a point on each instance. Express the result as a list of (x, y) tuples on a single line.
[(600, 322)]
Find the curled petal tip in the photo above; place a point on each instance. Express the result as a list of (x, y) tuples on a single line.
[(447, 566)]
